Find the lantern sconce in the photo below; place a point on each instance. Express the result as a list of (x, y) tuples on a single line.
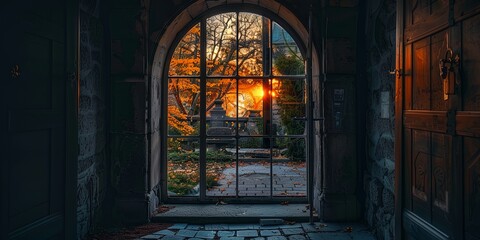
[(448, 68)]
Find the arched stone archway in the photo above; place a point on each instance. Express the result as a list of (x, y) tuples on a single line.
[(164, 40)]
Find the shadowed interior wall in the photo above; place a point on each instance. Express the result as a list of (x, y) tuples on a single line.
[(92, 132), (338, 26), (128, 87), (380, 165)]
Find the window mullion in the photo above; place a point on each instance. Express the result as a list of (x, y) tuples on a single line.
[(237, 137), (203, 106)]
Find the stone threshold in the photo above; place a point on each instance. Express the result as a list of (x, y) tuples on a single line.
[(232, 213)]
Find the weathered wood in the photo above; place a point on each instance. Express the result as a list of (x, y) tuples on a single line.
[(466, 8), (468, 124), (472, 186), (470, 63), (440, 136), (442, 182), (408, 78), (421, 174), (421, 229), (434, 121), (421, 75), (400, 186), (424, 18)]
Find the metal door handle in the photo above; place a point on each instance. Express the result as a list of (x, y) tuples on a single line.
[(15, 71)]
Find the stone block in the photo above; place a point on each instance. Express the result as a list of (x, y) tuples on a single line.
[(247, 233), (267, 233)]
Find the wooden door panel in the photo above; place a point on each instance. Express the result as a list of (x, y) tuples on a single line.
[(471, 149), (35, 123), (440, 137), (408, 78), (471, 60), (421, 186), (421, 75), (465, 8), (424, 16), (468, 124), (31, 161), (437, 51), (433, 121), (407, 164), (441, 181)]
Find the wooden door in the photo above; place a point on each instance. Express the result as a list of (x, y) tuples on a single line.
[(33, 124), (438, 143)]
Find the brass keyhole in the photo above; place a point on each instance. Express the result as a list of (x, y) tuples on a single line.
[(15, 71)]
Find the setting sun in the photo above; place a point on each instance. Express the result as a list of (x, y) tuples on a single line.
[(258, 92)]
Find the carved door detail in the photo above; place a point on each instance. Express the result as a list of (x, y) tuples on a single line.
[(440, 119)]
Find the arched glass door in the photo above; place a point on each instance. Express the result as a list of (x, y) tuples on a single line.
[(236, 112)]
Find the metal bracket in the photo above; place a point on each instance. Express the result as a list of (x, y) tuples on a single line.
[(397, 72)]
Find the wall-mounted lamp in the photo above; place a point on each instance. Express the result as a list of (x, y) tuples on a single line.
[(447, 68)]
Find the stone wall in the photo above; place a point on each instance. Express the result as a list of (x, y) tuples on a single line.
[(92, 174), (379, 169), (129, 134)]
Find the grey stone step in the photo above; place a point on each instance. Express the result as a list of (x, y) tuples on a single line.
[(232, 213)]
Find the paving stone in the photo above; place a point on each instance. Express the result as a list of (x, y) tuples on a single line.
[(151, 237), (195, 239), (255, 226), (225, 233), (329, 236), (293, 231), (362, 236), (277, 238), (205, 234), (309, 228), (178, 226), (271, 222), (296, 225), (267, 233), (240, 226), (330, 227), (247, 233), (269, 227), (173, 238), (194, 227), (186, 233), (165, 232), (232, 238), (297, 237), (216, 227), (258, 238)]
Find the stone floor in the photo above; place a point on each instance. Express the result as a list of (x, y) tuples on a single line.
[(288, 179), (232, 213), (290, 231)]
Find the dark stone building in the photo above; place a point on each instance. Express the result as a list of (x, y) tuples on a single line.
[(391, 111)]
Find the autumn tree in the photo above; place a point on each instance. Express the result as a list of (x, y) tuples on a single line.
[(222, 60)]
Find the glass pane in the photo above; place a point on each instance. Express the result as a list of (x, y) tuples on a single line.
[(250, 106), (289, 168), (288, 107), (185, 60), (221, 167), (221, 107), (183, 106), (287, 59), (250, 44), (254, 167), (183, 167), (222, 44)]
